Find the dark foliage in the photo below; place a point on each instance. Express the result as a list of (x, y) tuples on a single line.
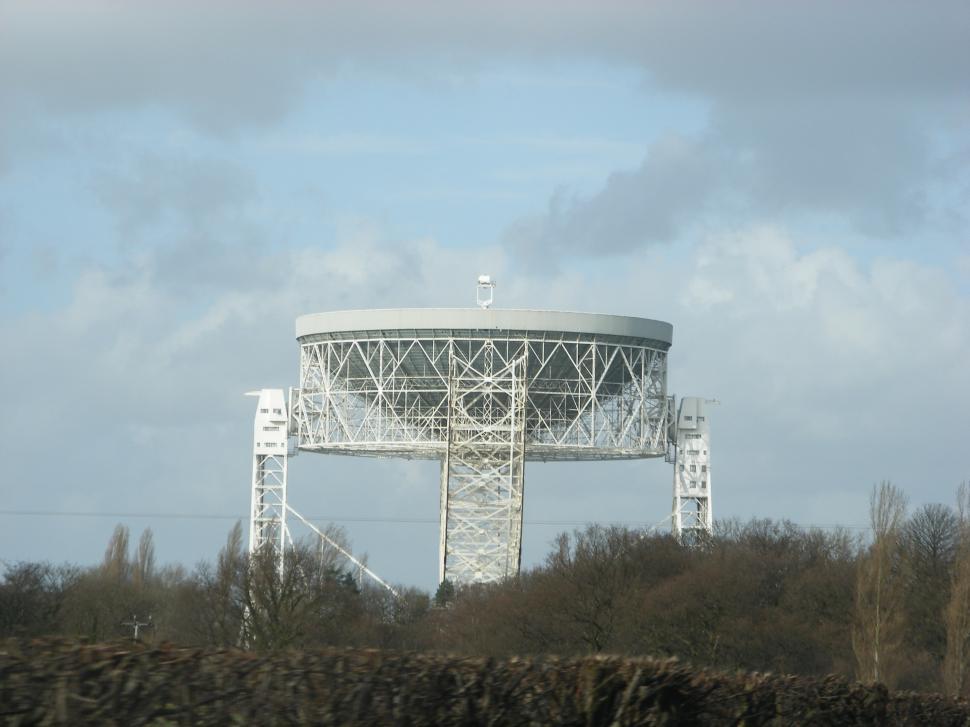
[(760, 596), (65, 683)]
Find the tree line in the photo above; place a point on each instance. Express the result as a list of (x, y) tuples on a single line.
[(889, 605)]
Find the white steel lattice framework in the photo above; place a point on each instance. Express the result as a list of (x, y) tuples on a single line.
[(269, 508), (267, 520), (483, 467), (482, 391), (692, 510)]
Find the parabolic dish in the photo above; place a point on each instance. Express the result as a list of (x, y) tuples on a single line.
[(377, 382)]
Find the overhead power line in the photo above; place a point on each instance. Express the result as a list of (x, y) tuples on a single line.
[(218, 516), (349, 519)]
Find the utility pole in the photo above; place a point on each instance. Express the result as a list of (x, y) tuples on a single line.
[(135, 625)]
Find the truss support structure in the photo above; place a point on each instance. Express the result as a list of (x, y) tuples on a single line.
[(482, 391), (587, 398), (483, 467), (267, 514), (692, 515)]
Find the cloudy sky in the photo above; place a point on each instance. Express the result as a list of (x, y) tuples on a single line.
[(787, 183)]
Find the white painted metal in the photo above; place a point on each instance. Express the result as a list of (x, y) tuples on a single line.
[(588, 396), (269, 506), (484, 390), (692, 512), (483, 474), (376, 322), (267, 519), (443, 515), (485, 294)]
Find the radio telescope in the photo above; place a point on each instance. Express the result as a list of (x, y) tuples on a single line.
[(483, 391)]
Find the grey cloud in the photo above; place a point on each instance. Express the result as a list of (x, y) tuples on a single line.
[(870, 163), (23, 135), (231, 64), (814, 106), (221, 67), (196, 229), (868, 160), (200, 267), (754, 50), (194, 192), (189, 223), (674, 183)]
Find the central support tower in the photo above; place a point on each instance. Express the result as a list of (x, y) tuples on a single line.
[(482, 474)]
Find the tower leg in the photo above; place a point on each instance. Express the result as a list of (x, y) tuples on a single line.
[(482, 479), (443, 516), (267, 514), (692, 514)]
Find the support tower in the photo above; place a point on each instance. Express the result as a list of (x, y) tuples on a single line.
[(267, 520), (692, 514)]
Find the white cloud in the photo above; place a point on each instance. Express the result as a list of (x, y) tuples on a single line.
[(836, 350)]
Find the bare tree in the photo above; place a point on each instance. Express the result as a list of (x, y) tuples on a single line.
[(32, 598), (929, 542), (308, 603), (218, 618), (593, 575), (957, 614), (878, 623), (144, 565), (116, 565), (329, 556)]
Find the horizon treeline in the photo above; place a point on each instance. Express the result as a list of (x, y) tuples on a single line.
[(891, 605)]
